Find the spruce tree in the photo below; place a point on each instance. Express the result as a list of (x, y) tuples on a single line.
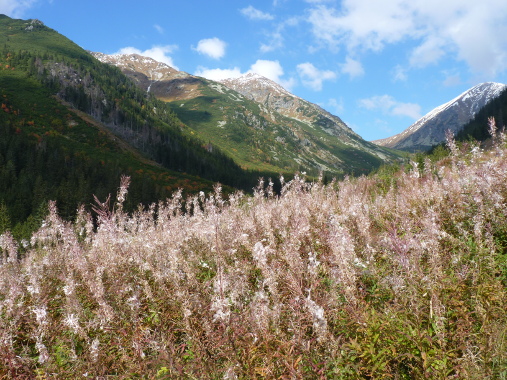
[(5, 220)]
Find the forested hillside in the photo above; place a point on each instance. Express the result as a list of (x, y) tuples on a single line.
[(477, 128), (70, 126)]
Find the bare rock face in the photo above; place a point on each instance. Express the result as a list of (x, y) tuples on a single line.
[(275, 98), (162, 80), (430, 129), (34, 24), (151, 68)]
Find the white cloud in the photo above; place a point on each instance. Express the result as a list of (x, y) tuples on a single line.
[(275, 37), (15, 8), (360, 23), (212, 47), (312, 77), (400, 74), (390, 106), (475, 32), (429, 52), (159, 28), (157, 52), (275, 42), (336, 105), (255, 14), (352, 68), (270, 69), (218, 74)]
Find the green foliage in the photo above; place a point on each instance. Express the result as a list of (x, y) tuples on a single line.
[(438, 152), (5, 220), (477, 128), (284, 145)]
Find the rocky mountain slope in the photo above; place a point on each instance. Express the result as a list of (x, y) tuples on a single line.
[(256, 121), (155, 77), (453, 115), (276, 99)]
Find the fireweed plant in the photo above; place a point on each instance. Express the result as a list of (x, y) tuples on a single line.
[(359, 279)]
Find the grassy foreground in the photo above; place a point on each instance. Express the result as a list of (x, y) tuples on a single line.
[(384, 277)]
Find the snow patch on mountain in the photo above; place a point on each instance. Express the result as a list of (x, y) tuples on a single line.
[(430, 129)]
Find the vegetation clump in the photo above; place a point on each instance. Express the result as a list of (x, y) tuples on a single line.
[(366, 278)]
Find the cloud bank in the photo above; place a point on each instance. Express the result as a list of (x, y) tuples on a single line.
[(438, 29)]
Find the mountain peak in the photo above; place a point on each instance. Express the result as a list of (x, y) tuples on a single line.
[(252, 82), (430, 129), (150, 67)]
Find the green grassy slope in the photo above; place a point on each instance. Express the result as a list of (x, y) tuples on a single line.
[(259, 140)]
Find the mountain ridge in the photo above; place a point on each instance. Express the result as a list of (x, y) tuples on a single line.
[(275, 129), (71, 126), (453, 115)]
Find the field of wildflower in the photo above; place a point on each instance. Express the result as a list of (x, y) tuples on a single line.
[(399, 276)]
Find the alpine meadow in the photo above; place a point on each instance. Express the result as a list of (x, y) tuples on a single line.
[(139, 240)]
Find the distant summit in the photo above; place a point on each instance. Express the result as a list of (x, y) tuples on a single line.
[(430, 129), (153, 69), (256, 87), (254, 120), (275, 98)]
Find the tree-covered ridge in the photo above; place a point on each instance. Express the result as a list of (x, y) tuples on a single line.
[(49, 150), (70, 126), (477, 128), (149, 125)]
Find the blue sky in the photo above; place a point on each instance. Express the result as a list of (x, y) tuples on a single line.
[(377, 64)]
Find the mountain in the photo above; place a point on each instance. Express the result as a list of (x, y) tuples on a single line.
[(430, 129), (153, 76), (255, 121), (276, 99), (478, 127), (71, 126)]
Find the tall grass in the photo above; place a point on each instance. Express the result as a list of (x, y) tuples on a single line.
[(365, 278)]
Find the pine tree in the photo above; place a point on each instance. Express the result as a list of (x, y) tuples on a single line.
[(5, 220)]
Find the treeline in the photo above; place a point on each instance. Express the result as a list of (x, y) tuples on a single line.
[(31, 174), (148, 124), (477, 128)]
